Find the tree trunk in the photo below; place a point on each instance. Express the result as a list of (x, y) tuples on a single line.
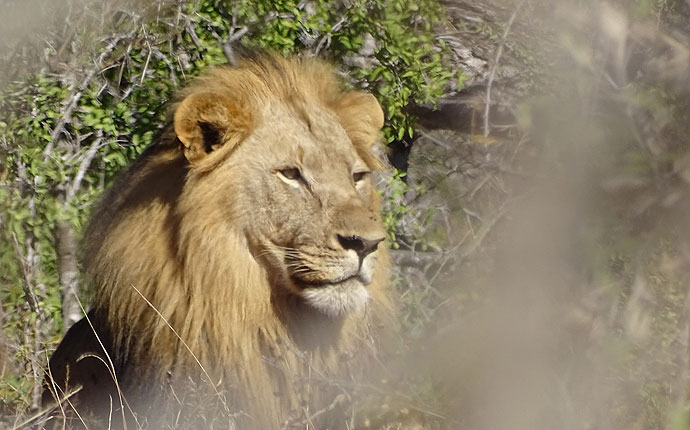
[(67, 255)]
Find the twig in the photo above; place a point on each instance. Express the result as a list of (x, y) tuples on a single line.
[(494, 66), (233, 37), (435, 140), (159, 55), (192, 33), (45, 412), (478, 187), (148, 56), (85, 162), (484, 230), (26, 275), (339, 399), (450, 253), (404, 257), (325, 41)]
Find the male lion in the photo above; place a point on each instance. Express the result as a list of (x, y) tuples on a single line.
[(240, 256)]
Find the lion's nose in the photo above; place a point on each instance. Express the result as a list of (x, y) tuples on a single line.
[(360, 245)]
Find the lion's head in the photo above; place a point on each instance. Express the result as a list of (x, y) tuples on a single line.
[(285, 171), (251, 229)]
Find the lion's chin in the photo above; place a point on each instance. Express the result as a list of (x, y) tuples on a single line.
[(337, 300)]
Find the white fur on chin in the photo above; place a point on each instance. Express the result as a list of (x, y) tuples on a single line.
[(337, 300)]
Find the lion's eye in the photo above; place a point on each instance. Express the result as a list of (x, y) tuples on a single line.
[(291, 173), (358, 176)]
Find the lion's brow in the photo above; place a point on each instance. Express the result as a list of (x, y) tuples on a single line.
[(299, 107)]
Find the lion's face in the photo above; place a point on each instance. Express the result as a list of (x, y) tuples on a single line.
[(307, 205), (318, 226), (317, 229)]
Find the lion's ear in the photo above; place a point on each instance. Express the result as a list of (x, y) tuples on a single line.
[(361, 117), (206, 121)]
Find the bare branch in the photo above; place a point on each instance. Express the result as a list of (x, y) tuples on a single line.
[(494, 66), (85, 162), (233, 37), (27, 276)]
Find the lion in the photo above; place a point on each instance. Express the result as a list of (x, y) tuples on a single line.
[(242, 251)]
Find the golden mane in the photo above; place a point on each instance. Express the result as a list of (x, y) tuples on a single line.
[(175, 291)]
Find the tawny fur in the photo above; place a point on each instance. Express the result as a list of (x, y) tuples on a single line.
[(176, 229)]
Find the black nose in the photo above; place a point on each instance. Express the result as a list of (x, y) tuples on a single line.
[(360, 245)]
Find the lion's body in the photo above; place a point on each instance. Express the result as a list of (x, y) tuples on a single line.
[(191, 253)]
